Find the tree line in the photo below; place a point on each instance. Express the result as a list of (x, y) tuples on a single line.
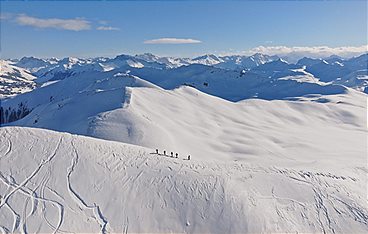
[(8, 115)]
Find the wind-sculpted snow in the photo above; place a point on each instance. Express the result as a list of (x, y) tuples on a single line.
[(57, 182)]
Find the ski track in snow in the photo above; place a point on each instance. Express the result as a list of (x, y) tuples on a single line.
[(155, 180), (23, 189), (98, 216), (34, 173)]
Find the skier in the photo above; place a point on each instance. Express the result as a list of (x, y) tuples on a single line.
[(164, 152), (172, 154), (188, 157), (156, 151), (176, 155)]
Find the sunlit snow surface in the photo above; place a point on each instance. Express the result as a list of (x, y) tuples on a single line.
[(14, 80), (57, 182), (292, 160), (257, 166)]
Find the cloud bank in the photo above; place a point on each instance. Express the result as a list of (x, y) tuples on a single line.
[(172, 41), (297, 52), (76, 24)]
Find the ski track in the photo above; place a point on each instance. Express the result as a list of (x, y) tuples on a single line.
[(22, 187), (98, 216), (32, 194), (44, 182), (210, 184), (8, 150)]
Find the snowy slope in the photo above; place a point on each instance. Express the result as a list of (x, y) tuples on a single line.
[(193, 122), (230, 85), (14, 80), (292, 162), (69, 183), (93, 92)]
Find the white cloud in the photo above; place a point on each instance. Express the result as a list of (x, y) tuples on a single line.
[(107, 28), (172, 41), (313, 51), (76, 24)]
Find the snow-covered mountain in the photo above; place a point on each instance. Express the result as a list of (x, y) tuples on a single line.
[(274, 79), (334, 69), (350, 72), (273, 147), (358, 63), (33, 64), (256, 166), (68, 67), (170, 62), (95, 85), (208, 59), (106, 105), (14, 80), (237, 62)]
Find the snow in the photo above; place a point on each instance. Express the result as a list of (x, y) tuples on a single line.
[(363, 77), (135, 64), (70, 183), (14, 80), (326, 70), (216, 129), (35, 64), (49, 83), (208, 59), (303, 77), (77, 153), (128, 109), (339, 63)]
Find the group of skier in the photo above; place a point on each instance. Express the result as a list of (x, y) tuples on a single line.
[(172, 154)]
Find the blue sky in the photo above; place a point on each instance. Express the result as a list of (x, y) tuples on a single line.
[(108, 28)]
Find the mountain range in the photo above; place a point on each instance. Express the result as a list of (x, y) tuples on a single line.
[(103, 144)]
